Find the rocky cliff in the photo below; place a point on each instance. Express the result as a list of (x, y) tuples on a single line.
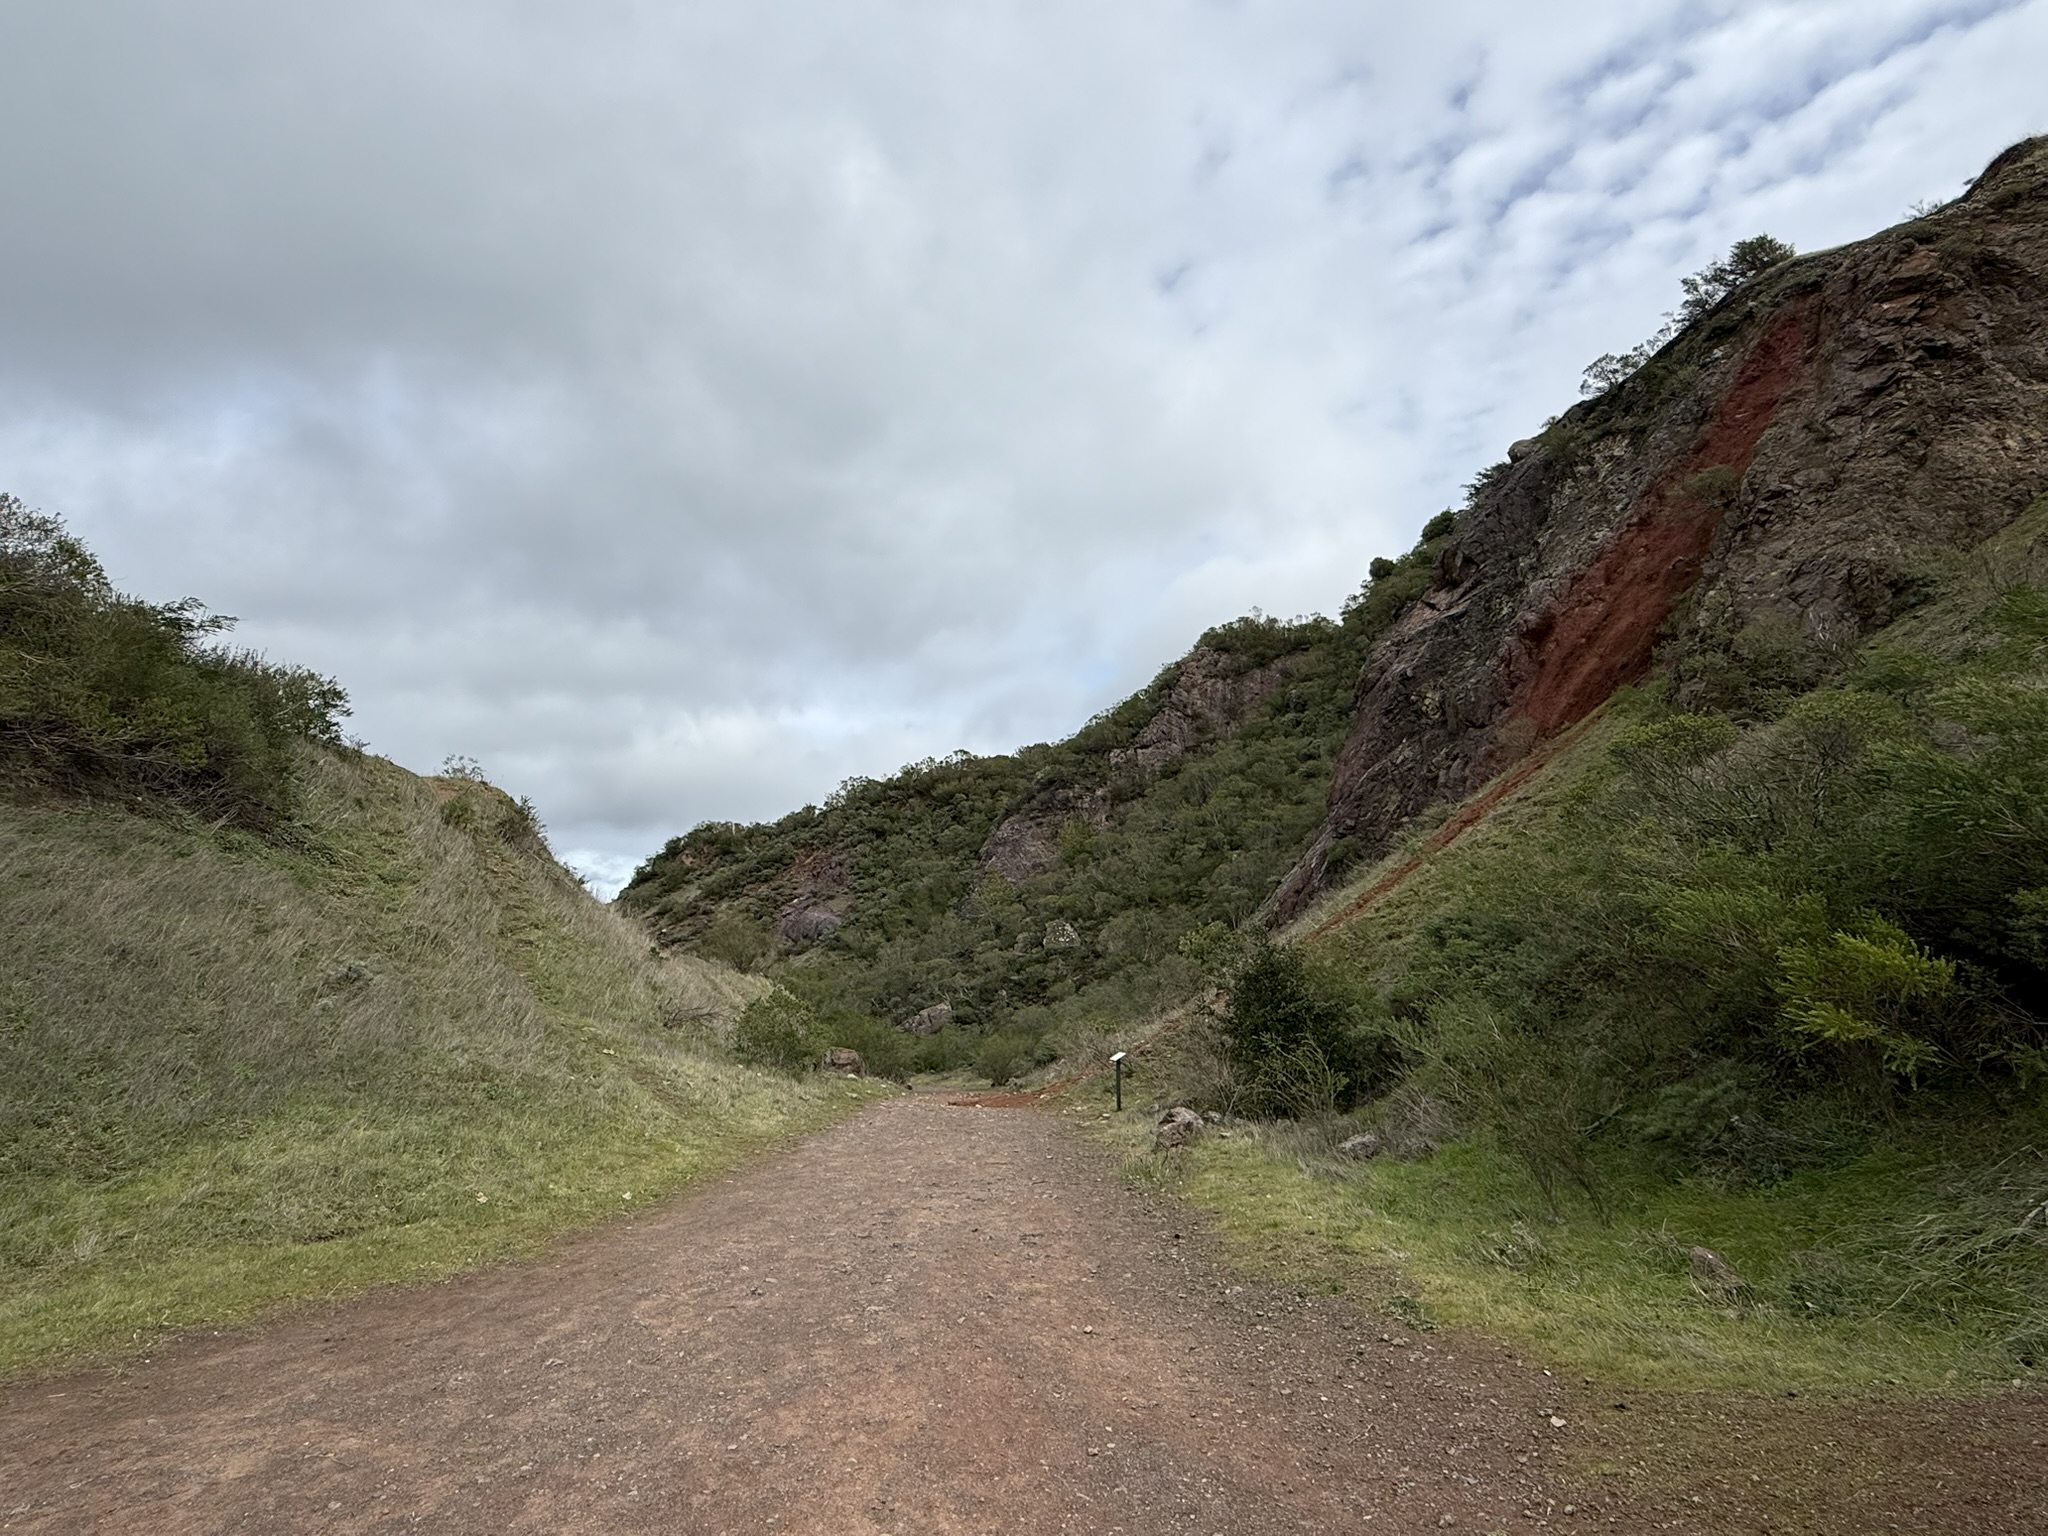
[(1774, 474), (1057, 874), (1756, 497)]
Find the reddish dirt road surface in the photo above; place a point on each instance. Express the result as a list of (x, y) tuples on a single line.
[(939, 1319)]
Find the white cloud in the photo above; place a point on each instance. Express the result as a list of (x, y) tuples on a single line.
[(683, 408)]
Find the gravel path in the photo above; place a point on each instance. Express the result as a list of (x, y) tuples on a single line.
[(929, 1320)]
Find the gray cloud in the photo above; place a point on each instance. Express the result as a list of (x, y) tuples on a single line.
[(682, 408)]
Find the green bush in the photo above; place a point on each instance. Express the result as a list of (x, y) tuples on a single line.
[(948, 1050), (106, 695), (885, 1049), (1749, 944), (1008, 1054), (1300, 1040), (1704, 290), (736, 940), (777, 1031), (1391, 585)]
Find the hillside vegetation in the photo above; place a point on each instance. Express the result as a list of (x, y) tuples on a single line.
[(1658, 856), (1045, 896), (279, 1019), (1765, 978), (109, 696)]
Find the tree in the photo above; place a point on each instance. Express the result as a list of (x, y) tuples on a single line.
[(1704, 290), (1711, 284)]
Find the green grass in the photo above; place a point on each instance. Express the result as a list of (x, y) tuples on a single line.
[(1920, 1263), (400, 1042), (1905, 1248), (1837, 1261), (322, 1205)]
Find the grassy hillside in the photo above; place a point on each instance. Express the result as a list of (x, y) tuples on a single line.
[(1763, 976), (279, 1019), (239, 1072), (1143, 846)]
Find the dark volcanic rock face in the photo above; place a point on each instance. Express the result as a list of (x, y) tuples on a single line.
[(1212, 696), (818, 904), (1782, 462)]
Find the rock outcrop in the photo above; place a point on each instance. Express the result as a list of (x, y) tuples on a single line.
[(929, 1021), (1784, 461), (818, 905), (1025, 843), (1212, 695)]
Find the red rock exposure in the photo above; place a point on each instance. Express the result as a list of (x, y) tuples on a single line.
[(1602, 634), (1785, 460)]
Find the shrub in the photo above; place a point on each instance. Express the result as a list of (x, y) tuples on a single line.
[(777, 1031), (1539, 1093), (103, 694), (1259, 639), (1373, 609), (736, 940), (1862, 989), (1301, 1042), (948, 1050), (1008, 1054), (1746, 259), (1703, 290), (885, 1049)]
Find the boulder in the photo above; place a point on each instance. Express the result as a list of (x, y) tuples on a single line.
[(929, 1021), (842, 1058), (1364, 1145), (807, 923), (1061, 934), (1176, 1128)]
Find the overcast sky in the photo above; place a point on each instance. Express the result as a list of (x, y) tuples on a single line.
[(682, 407)]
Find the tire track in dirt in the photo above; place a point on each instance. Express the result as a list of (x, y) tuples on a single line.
[(932, 1319)]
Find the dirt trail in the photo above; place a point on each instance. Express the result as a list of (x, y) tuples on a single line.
[(931, 1320)]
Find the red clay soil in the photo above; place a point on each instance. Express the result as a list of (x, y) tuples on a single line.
[(1603, 631), (1602, 635), (1004, 1098), (944, 1320)]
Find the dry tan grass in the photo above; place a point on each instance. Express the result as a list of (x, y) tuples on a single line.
[(233, 1072)]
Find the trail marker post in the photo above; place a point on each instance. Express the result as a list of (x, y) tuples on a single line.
[(1117, 1061)]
